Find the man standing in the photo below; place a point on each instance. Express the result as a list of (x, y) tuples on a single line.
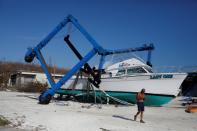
[(140, 97)]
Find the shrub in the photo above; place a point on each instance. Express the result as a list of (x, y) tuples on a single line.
[(3, 121)]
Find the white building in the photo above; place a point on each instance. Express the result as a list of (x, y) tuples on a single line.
[(21, 78)]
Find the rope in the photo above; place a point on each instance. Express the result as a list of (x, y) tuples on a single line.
[(95, 94), (106, 94), (116, 99), (76, 80)]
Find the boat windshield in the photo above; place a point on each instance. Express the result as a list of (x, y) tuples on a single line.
[(135, 70), (121, 72), (148, 69)]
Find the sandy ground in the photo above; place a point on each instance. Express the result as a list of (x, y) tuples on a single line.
[(8, 128), (24, 113)]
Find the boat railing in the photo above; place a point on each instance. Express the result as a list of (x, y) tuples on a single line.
[(157, 70)]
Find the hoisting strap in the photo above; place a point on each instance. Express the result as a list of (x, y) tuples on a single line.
[(116, 99)]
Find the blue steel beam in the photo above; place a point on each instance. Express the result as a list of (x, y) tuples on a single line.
[(149, 56), (85, 59), (148, 62), (31, 54), (86, 34), (44, 99), (120, 51), (44, 66), (102, 59), (53, 33), (87, 67)]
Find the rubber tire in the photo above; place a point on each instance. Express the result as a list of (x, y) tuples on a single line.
[(44, 100)]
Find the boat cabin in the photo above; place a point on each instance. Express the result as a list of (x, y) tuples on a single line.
[(133, 70)]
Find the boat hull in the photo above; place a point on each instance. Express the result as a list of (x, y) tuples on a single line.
[(160, 88), (151, 99)]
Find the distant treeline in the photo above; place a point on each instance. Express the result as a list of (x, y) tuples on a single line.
[(15, 66), (7, 68)]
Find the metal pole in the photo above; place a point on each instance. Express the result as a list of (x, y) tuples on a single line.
[(44, 66), (70, 73)]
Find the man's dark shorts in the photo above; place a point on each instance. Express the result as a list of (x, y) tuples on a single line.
[(140, 106)]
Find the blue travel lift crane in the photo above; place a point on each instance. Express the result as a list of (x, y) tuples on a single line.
[(47, 95)]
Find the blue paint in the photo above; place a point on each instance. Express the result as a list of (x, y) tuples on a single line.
[(44, 42), (102, 59), (155, 76), (70, 73), (44, 67), (168, 76)]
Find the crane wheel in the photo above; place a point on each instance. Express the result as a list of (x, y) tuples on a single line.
[(44, 99)]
